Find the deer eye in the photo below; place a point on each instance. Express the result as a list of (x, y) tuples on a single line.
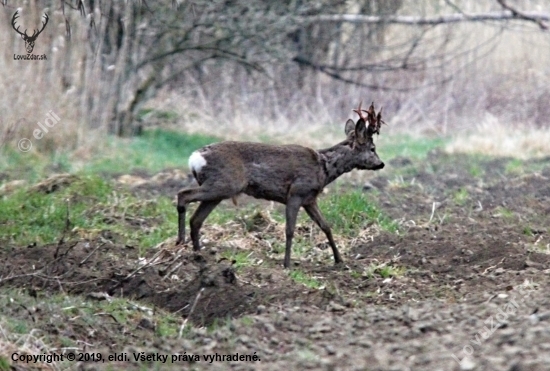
[(373, 149)]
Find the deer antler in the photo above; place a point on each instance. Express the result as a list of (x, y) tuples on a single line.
[(379, 118), (379, 121), (15, 16), (35, 32), (374, 120), (43, 26), (371, 109), (359, 110)]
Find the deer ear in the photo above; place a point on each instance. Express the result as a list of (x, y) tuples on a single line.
[(350, 127), (361, 134)]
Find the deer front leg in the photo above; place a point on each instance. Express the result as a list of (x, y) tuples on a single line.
[(315, 214), (292, 208), (204, 209)]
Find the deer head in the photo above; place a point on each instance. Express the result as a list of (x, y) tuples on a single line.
[(360, 135), (29, 40)]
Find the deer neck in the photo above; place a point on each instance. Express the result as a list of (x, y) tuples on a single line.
[(337, 160)]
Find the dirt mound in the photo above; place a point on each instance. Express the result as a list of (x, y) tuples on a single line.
[(170, 278)]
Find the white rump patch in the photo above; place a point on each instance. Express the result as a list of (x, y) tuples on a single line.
[(196, 161)]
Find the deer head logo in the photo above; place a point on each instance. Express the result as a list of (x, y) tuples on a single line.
[(29, 40)]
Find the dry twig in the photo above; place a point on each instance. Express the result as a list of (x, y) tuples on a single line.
[(190, 312)]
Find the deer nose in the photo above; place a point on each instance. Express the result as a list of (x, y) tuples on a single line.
[(381, 166)]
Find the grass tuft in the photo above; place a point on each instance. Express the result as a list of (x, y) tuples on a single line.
[(384, 270), (303, 278), (238, 258), (461, 196), (352, 211)]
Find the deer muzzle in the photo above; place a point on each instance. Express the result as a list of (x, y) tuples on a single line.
[(380, 166)]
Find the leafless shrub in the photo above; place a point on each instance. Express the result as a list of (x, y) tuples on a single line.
[(259, 68)]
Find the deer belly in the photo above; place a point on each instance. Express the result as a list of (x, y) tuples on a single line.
[(271, 192)]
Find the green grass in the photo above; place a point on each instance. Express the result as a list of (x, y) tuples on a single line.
[(239, 258), (219, 324), (158, 149), (93, 205), (504, 213), (155, 150), (461, 196), (247, 214), (31, 166), (475, 170), (389, 146), (517, 167), (352, 211), (246, 321), (301, 245), (392, 146), (222, 214), (514, 166), (384, 270), (152, 151), (71, 314), (303, 278), (4, 364)]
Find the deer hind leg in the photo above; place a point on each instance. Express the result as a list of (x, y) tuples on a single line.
[(315, 214), (292, 208), (202, 212), (183, 200), (206, 192)]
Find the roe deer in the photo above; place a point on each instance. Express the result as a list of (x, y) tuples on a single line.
[(290, 174)]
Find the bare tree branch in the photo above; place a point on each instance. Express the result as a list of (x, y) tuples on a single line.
[(508, 14), (454, 6), (524, 15), (334, 73)]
